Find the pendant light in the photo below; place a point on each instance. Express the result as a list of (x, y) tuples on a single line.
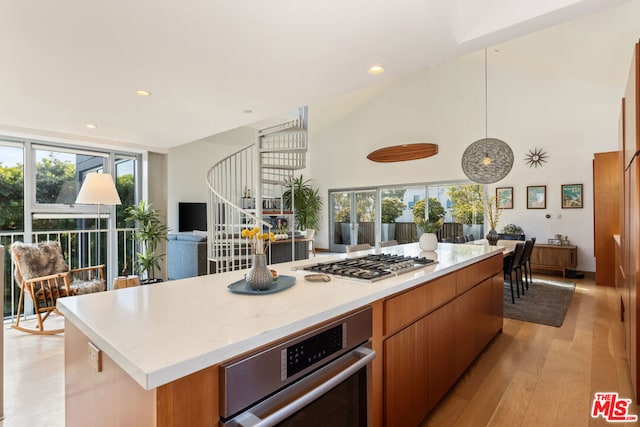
[(487, 160)]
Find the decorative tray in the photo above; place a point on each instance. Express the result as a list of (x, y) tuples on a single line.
[(280, 284)]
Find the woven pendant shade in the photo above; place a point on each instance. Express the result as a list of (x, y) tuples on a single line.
[(487, 160)]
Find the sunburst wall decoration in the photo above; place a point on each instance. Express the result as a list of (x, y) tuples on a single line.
[(536, 157)]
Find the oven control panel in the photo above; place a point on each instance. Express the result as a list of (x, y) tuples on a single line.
[(312, 350), (247, 380)]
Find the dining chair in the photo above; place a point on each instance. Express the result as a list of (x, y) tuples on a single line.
[(308, 235), (460, 239), (526, 262), (511, 265), (388, 243), (360, 247)]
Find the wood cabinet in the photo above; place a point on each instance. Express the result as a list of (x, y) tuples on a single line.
[(606, 213), (110, 397), (554, 257), (630, 211), (432, 334)]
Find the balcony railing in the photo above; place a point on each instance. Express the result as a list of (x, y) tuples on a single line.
[(114, 248)]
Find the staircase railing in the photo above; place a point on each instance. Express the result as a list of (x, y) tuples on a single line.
[(228, 181), (239, 183)]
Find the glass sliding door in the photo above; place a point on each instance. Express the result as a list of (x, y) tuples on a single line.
[(126, 181), (353, 218), (340, 226), (454, 211), (366, 216)]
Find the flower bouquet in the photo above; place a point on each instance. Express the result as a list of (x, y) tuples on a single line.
[(259, 278), (257, 240)]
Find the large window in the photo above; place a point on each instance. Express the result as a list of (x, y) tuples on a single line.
[(11, 187), (450, 210), (125, 177), (39, 183)]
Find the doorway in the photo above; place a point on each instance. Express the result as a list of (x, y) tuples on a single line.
[(354, 216)]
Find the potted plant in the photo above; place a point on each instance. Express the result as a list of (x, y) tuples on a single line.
[(150, 232), (512, 232), (433, 221), (391, 208), (307, 201)]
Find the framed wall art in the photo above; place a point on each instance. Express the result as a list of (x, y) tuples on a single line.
[(571, 196), (536, 197), (504, 197)]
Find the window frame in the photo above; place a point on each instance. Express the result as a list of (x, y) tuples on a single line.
[(34, 210)]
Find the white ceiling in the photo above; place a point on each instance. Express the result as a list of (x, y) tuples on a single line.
[(67, 63)]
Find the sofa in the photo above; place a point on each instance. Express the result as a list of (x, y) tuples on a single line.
[(186, 255)]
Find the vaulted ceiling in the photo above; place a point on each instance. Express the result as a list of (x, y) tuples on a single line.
[(214, 65)]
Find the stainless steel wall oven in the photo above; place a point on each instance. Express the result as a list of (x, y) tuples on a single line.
[(320, 378)]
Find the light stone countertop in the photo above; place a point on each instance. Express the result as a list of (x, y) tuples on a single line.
[(160, 333)]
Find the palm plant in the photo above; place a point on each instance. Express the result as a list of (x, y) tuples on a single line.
[(149, 234), (307, 201)]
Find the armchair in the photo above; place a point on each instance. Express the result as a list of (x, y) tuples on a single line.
[(42, 273)]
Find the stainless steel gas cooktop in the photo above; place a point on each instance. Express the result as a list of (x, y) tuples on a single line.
[(370, 268)]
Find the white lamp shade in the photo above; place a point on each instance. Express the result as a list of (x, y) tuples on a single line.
[(98, 189)]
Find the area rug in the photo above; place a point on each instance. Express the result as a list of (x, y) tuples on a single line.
[(545, 302)]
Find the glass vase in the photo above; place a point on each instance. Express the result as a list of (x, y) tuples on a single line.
[(259, 278)]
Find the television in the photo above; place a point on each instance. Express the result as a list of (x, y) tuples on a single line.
[(192, 216)]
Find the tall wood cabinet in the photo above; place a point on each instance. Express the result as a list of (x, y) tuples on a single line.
[(606, 214), (629, 239)]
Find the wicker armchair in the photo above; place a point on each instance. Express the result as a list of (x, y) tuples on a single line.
[(42, 273)]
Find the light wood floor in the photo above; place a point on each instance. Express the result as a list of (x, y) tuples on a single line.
[(531, 375), (536, 375)]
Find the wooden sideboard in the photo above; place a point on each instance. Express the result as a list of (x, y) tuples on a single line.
[(554, 257)]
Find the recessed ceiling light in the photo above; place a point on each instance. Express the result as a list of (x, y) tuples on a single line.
[(91, 126), (143, 92), (376, 69)]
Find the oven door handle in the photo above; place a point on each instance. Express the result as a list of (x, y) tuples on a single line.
[(248, 419)]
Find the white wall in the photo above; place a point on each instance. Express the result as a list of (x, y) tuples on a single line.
[(189, 164), (558, 90)]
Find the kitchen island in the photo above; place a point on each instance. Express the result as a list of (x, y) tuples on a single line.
[(149, 355)]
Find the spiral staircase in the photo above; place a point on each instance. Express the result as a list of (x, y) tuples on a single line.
[(245, 191)]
